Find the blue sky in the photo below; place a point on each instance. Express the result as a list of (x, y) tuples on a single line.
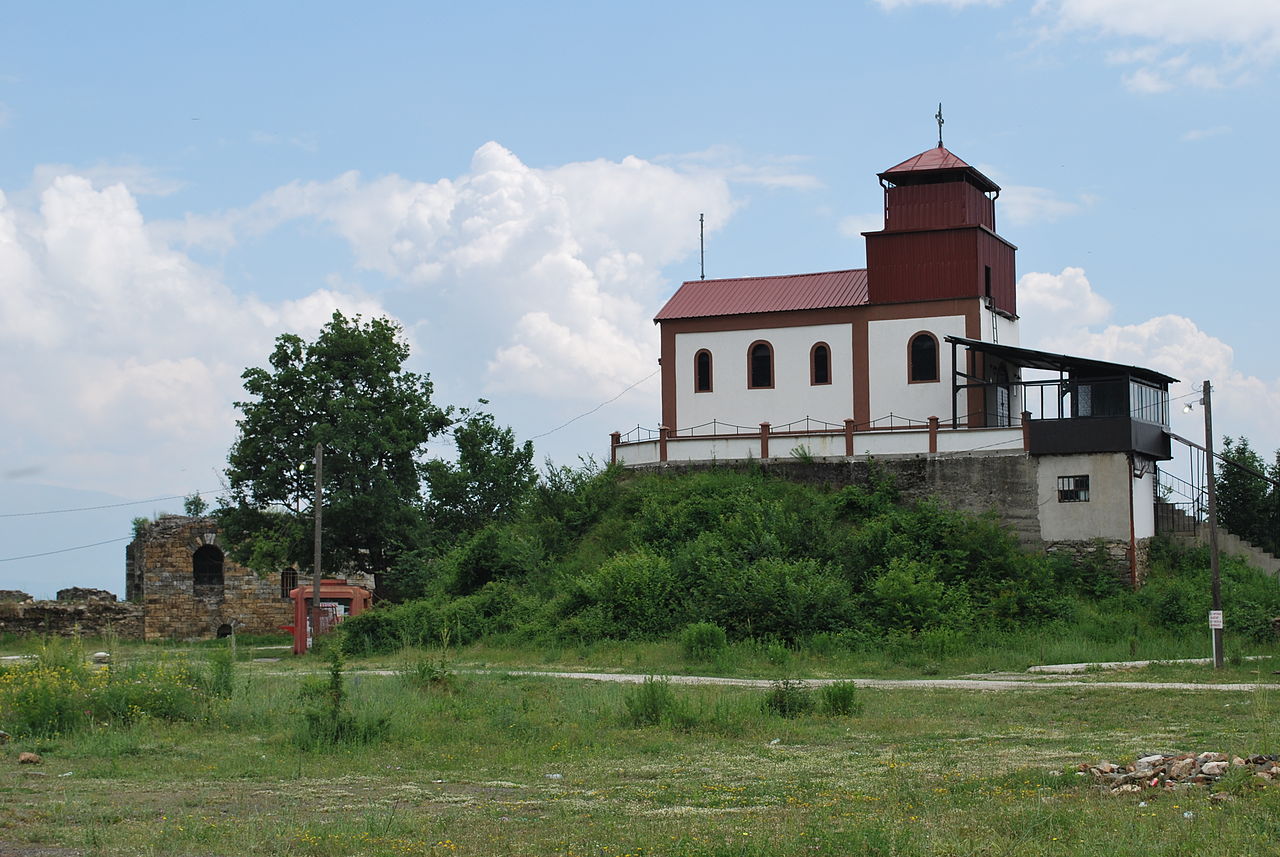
[(519, 185)]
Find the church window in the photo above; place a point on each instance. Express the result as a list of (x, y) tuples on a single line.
[(820, 364), (760, 366), (702, 371), (206, 566), (922, 358)]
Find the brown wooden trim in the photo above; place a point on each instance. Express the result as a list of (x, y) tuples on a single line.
[(667, 360), (813, 366), (773, 378), (937, 358), (764, 441), (933, 434), (711, 367)]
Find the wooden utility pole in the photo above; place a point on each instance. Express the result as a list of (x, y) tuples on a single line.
[(315, 571), (1215, 616)]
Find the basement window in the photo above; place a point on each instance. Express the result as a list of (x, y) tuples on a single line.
[(1073, 489)]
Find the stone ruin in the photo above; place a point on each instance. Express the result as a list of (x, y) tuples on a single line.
[(178, 570), (90, 612), (1180, 770)]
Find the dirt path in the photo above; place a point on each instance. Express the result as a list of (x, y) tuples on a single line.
[(995, 683)]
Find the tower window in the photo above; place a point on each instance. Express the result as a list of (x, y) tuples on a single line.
[(922, 358), (206, 566), (760, 366), (820, 364), (702, 371)]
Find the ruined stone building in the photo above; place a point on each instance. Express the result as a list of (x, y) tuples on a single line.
[(178, 569)]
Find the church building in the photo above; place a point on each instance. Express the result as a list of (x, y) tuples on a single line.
[(916, 355)]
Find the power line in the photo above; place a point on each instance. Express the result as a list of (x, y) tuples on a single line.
[(64, 550), (599, 406), (107, 506)]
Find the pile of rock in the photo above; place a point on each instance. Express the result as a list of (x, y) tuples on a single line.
[(1179, 770)]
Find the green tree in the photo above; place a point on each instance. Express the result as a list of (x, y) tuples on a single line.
[(488, 483), (348, 390), (1241, 495)]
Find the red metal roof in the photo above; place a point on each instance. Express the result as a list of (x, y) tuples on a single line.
[(936, 158), (702, 298)]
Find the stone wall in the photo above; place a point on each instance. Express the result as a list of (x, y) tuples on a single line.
[(160, 575), (87, 612)]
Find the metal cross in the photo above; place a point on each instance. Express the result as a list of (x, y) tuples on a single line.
[(938, 116)]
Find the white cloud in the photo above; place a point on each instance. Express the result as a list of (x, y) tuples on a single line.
[(853, 225), (139, 180), (954, 4), (778, 171), (1196, 134), (119, 356), (1202, 44), (1062, 313), (266, 138), (546, 276), (1025, 204)]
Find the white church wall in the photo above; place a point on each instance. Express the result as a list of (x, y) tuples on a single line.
[(890, 392), (792, 396)]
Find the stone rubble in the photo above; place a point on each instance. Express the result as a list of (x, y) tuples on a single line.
[(1178, 770)]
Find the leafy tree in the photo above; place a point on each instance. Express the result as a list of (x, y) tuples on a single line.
[(487, 484), (194, 505), (1242, 496), (348, 390)]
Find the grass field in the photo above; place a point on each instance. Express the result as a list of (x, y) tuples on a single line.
[(488, 765)]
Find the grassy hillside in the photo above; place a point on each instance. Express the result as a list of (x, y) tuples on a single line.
[(723, 557)]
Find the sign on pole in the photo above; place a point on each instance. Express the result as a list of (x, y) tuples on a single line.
[(1215, 620)]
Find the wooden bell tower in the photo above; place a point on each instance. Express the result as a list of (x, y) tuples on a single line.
[(939, 239)]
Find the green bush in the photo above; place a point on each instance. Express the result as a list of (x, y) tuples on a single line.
[(703, 641), (840, 699), (789, 698), (652, 703)]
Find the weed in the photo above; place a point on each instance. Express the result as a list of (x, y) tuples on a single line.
[(328, 723), (840, 699), (703, 641), (789, 698), (652, 703)]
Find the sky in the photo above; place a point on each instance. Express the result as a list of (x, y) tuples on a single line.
[(518, 185)]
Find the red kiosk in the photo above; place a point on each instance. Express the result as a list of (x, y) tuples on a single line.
[(338, 600)]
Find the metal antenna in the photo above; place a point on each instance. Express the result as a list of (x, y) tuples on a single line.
[(702, 248), (938, 116)]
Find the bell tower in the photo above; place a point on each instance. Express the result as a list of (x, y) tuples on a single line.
[(939, 239)]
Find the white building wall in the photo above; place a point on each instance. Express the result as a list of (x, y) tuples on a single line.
[(1106, 514), (999, 328), (792, 397), (890, 393), (1144, 506)]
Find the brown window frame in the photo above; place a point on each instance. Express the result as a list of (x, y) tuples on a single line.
[(937, 358), (697, 378), (813, 365), (772, 368)]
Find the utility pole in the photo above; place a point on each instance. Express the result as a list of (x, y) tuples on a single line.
[(315, 571), (1215, 615)]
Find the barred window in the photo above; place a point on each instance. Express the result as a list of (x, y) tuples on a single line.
[(1073, 489)]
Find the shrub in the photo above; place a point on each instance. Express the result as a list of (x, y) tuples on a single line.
[(840, 699), (652, 703), (328, 723), (703, 641), (789, 698)]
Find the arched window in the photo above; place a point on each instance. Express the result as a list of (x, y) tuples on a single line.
[(760, 366), (206, 566), (820, 364), (702, 372), (922, 358)]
